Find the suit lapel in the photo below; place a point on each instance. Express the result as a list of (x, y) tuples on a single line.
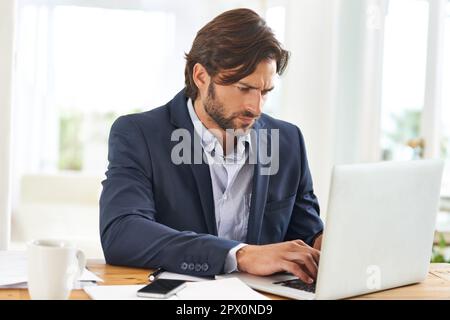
[(180, 118), (204, 188), (260, 185)]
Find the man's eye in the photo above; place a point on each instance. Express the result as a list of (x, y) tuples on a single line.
[(243, 89)]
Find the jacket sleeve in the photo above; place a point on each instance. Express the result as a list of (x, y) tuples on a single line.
[(305, 223), (129, 232)]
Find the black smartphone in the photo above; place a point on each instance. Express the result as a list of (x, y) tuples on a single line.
[(161, 288)]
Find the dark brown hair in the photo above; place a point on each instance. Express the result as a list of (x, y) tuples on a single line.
[(236, 41)]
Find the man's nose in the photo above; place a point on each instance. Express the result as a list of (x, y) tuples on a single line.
[(255, 103)]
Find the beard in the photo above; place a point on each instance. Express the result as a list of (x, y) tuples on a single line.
[(216, 110)]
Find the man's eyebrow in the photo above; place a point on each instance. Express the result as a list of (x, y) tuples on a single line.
[(252, 87)]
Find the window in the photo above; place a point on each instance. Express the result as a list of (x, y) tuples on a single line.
[(93, 64), (110, 64), (411, 102), (403, 86)]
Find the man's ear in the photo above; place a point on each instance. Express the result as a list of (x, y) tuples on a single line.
[(201, 78)]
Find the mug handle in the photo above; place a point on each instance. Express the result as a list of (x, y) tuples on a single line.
[(81, 263)]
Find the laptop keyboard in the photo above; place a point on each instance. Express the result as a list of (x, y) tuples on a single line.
[(298, 284)]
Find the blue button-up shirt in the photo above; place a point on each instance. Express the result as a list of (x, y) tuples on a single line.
[(231, 178)]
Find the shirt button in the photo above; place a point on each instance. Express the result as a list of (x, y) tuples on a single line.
[(225, 197), (184, 266), (205, 267), (198, 267), (191, 266)]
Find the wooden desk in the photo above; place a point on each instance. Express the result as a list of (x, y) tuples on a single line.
[(436, 286)]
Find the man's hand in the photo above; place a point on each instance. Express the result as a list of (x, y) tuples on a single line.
[(294, 256), (318, 243)]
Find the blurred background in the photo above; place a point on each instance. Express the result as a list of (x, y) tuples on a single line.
[(369, 80)]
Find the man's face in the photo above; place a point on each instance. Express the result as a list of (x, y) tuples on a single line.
[(239, 105)]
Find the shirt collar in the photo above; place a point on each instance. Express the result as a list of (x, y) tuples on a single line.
[(210, 142)]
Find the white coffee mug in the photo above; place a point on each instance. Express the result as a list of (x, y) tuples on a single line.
[(53, 268)]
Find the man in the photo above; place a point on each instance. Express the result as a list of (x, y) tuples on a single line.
[(219, 215)]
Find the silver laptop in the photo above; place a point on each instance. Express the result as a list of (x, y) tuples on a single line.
[(378, 235)]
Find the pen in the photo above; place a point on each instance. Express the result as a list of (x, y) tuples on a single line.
[(154, 274)]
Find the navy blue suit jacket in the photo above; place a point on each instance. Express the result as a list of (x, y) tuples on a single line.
[(154, 213)]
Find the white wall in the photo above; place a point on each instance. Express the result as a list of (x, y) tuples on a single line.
[(308, 83), (332, 86), (358, 77), (6, 64)]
